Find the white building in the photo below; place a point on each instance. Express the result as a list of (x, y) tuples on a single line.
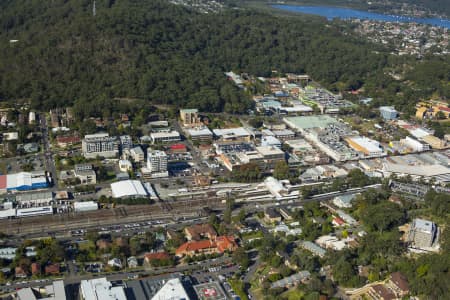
[(415, 145), (100, 289), (239, 133), (128, 189), (54, 291), (125, 165), (85, 206), (173, 289), (344, 201), (270, 141), (100, 144), (422, 234), (137, 154), (369, 147), (157, 162), (165, 137)]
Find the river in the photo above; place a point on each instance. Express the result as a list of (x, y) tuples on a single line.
[(347, 13)]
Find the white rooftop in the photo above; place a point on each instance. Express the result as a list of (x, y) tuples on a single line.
[(238, 132), (101, 289), (423, 225), (165, 134), (128, 188), (423, 170), (172, 290), (199, 131)]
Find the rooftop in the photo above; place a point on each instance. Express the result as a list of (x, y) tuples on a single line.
[(307, 122), (128, 188)]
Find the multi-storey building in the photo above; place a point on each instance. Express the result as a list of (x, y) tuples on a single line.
[(100, 144), (156, 161), (422, 233)]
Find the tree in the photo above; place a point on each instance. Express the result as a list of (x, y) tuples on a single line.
[(241, 215), (241, 258), (281, 170)]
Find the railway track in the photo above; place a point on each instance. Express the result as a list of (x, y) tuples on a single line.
[(123, 214)]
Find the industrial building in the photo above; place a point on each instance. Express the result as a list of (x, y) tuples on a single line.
[(85, 206), (128, 189), (100, 144), (369, 147), (414, 145), (24, 181)]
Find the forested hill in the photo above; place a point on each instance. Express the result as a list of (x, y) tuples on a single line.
[(168, 54)]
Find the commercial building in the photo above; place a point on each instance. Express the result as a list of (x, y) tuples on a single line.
[(165, 137), (190, 117), (369, 147), (200, 134), (303, 123), (173, 289), (85, 206), (66, 141), (34, 199), (100, 289), (24, 181), (53, 291), (157, 162), (270, 141), (85, 173), (422, 234), (388, 113), (128, 189), (126, 143), (137, 154), (230, 134), (100, 144)]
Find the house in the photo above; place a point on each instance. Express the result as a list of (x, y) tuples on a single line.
[(20, 272), (115, 262), (380, 292), (198, 231), (399, 284), (103, 244), (338, 222), (271, 216), (149, 257), (132, 262), (35, 269), (52, 269)]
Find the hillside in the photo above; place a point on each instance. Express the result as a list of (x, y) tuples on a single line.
[(169, 54)]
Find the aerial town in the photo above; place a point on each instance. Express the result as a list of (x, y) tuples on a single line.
[(197, 205)]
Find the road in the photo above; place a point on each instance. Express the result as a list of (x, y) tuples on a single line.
[(48, 155)]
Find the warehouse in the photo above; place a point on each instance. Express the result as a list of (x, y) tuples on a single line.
[(85, 206), (128, 189), (369, 147), (24, 181)]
